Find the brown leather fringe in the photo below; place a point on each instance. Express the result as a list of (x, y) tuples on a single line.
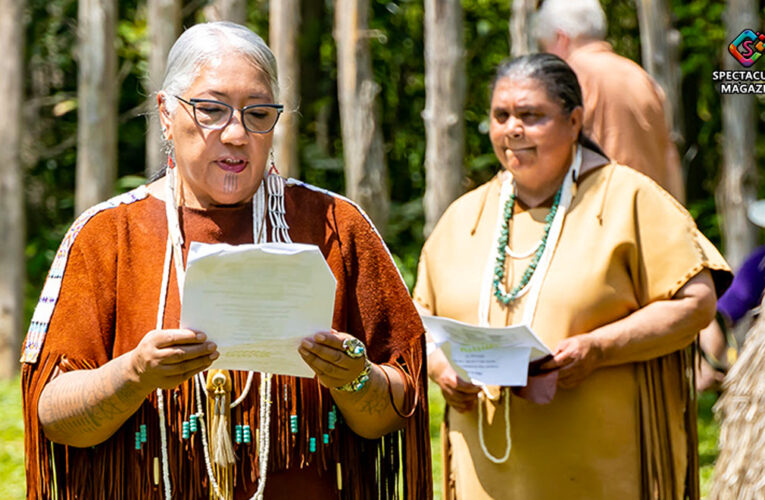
[(660, 476), (397, 466)]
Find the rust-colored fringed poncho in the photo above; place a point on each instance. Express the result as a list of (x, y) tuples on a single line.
[(109, 271)]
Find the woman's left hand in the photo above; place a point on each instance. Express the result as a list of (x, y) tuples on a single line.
[(325, 355), (576, 357)]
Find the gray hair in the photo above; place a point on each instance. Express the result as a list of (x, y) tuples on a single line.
[(206, 42), (576, 18)]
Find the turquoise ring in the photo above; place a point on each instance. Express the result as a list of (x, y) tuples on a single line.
[(354, 348)]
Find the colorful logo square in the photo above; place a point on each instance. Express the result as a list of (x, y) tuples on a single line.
[(747, 47)]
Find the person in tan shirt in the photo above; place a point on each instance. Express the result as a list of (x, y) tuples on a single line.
[(624, 108), (609, 271)]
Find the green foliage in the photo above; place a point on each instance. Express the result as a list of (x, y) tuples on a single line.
[(11, 441), (396, 44), (709, 430)]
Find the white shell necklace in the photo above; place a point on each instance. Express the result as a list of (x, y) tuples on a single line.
[(274, 184), (533, 288)]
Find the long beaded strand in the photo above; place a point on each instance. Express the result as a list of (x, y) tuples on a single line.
[(280, 233), (553, 228), (499, 270)]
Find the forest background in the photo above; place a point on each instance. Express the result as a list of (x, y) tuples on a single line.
[(396, 44), (396, 41)]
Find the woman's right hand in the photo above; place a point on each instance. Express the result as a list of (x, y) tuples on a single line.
[(166, 358), (458, 393)]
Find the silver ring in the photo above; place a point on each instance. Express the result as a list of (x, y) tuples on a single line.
[(354, 348)]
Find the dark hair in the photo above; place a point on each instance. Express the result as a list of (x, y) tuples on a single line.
[(555, 76)]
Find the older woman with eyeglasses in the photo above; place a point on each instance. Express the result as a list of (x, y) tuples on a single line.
[(112, 404)]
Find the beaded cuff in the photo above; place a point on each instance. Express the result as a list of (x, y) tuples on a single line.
[(359, 382)]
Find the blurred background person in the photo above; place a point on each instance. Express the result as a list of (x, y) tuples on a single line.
[(624, 108), (737, 309)]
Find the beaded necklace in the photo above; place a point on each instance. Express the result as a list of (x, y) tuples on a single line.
[(499, 271), (280, 232), (532, 278)]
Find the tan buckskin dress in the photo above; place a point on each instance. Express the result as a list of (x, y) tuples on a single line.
[(622, 433)]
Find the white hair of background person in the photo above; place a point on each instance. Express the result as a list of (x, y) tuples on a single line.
[(576, 18), (206, 42)]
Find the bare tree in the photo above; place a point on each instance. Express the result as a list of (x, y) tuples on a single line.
[(521, 41), (660, 45), (738, 187), (164, 20), (97, 97), (444, 106), (365, 170), (227, 10), (12, 266), (284, 22)]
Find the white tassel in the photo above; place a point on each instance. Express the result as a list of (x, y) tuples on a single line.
[(223, 448)]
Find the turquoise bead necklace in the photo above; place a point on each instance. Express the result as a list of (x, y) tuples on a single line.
[(499, 270)]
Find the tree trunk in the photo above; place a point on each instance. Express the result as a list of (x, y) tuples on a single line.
[(444, 107), (164, 20), (227, 10), (97, 97), (521, 40), (738, 187), (12, 265), (660, 42), (284, 23), (365, 169)]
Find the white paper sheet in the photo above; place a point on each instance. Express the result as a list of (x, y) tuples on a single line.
[(487, 356), (256, 302)]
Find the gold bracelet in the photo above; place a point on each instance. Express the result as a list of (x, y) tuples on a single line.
[(359, 382)]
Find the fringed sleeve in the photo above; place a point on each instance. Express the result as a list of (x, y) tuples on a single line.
[(69, 331), (380, 312)]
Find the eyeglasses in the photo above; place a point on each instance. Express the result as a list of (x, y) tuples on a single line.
[(216, 115)]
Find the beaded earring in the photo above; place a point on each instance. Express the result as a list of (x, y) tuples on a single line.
[(273, 169)]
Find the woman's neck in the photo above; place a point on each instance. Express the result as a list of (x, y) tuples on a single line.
[(533, 197)]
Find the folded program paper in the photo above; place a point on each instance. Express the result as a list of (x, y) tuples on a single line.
[(257, 302), (487, 356)]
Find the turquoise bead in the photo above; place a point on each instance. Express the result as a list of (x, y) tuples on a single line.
[(143, 433), (238, 434), (246, 434), (312, 444), (137, 440), (499, 274), (326, 438), (194, 423), (185, 430)]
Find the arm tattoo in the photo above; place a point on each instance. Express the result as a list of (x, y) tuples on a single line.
[(87, 403), (373, 398)]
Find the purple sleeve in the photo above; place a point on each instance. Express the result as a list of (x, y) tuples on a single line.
[(745, 291)]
